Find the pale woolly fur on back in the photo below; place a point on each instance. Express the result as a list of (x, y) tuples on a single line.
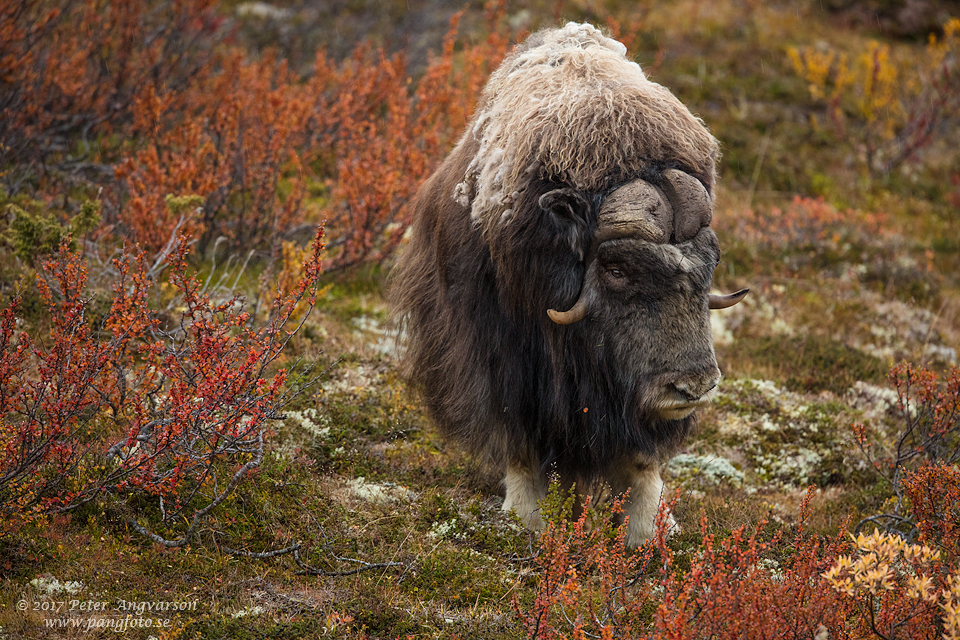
[(568, 106)]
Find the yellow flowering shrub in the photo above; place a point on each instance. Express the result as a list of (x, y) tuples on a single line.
[(886, 106), (898, 584)]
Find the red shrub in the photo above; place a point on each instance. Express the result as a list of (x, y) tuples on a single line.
[(742, 587), (383, 139), (134, 402), (934, 493), (248, 136), (55, 390), (236, 145), (71, 70), (253, 139), (589, 585), (737, 586), (912, 461), (804, 224)]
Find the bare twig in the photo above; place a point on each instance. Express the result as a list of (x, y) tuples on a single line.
[(264, 554), (202, 513), (364, 566)]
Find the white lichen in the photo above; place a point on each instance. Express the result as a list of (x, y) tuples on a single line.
[(249, 612), (871, 397), (313, 421), (357, 382), (52, 586), (722, 336), (793, 466), (441, 530), (713, 469), (263, 10), (381, 493)]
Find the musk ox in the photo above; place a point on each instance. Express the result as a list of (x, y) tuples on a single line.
[(578, 185)]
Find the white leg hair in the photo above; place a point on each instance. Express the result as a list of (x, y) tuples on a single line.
[(646, 494), (525, 488)]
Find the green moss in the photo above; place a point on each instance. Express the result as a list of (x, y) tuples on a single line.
[(253, 627), (32, 235), (436, 508), (34, 231), (88, 219), (807, 363), (458, 576)]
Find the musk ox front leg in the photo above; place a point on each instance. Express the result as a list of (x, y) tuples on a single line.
[(646, 494), (525, 486)]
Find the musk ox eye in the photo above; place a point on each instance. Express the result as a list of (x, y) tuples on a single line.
[(615, 278)]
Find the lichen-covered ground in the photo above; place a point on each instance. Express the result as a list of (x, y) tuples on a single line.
[(359, 477)]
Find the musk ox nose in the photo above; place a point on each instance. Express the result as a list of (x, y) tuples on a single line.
[(695, 386)]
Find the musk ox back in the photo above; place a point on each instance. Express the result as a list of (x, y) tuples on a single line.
[(579, 186)]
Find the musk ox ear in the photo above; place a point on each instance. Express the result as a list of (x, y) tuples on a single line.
[(568, 210)]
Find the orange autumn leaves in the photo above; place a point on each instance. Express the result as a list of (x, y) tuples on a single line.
[(150, 103)]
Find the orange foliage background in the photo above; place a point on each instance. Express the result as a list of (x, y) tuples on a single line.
[(148, 102)]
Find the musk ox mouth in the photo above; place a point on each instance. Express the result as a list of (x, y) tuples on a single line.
[(673, 409), (678, 412), (673, 403)]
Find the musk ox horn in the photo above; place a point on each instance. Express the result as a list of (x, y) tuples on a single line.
[(722, 302), (691, 203), (636, 209), (579, 310), (576, 313)]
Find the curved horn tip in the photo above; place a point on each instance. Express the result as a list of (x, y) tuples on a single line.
[(560, 317), (723, 302), (575, 314)]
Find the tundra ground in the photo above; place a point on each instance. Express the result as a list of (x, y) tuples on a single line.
[(850, 272)]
